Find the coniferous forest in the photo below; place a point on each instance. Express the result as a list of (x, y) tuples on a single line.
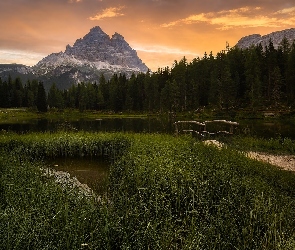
[(254, 78)]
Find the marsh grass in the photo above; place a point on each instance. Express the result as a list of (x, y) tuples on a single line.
[(190, 196), (164, 193), (38, 214), (273, 145)]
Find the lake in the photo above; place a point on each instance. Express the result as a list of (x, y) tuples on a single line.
[(256, 127)]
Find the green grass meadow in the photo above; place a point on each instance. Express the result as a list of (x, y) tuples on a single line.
[(164, 192)]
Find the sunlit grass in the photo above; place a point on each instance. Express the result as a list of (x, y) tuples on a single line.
[(164, 193), (273, 145)]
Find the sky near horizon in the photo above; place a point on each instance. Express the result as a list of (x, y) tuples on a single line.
[(161, 31)]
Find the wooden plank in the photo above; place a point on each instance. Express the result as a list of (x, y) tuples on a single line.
[(193, 122), (203, 124), (222, 121)]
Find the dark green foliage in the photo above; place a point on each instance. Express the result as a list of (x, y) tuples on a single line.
[(41, 99), (273, 145), (290, 76), (17, 93), (4, 102), (55, 97), (253, 78)]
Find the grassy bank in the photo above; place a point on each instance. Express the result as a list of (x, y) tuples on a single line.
[(273, 145), (164, 193)]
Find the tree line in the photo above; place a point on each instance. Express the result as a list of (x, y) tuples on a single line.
[(253, 78), (14, 94)]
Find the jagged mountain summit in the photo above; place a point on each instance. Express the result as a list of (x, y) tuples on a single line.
[(96, 46), (94, 54), (276, 38)]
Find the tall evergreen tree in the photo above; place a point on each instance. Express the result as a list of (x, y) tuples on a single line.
[(41, 101), (17, 93), (253, 78), (179, 76), (55, 97), (104, 88), (277, 83), (271, 62), (290, 76), (2, 94), (28, 100)]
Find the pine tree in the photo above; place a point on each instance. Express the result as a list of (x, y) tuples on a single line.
[(28, 100), (271, 62), (2, 94), (17, 93), (82, 97), (277, 86), (104, 88), (290, 76), (179, 76), (41, 101), (253, 80), (55, 98)]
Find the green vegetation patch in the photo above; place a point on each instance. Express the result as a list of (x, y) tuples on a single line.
[(273, 145), (164, 193)]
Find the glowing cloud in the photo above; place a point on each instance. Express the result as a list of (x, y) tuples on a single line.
[(14, 56), (107, 13), (75, 1), (163, 49), (244, 17), (286, 11)]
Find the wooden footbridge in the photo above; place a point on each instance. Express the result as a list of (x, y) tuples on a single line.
[(206, 129)]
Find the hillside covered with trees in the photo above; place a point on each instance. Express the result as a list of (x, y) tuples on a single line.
[(253, 78)]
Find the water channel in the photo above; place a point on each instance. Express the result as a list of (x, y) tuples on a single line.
[(93, 172)]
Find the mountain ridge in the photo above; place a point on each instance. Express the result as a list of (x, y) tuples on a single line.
[(97, 53), (276, 37), (91, 56), (94, 54)]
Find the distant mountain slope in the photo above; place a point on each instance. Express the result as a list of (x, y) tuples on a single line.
[(94, 54), (276, 38), (16, 70)]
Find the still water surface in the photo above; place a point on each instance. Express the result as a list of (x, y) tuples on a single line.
[(93, 172), (261, 128)]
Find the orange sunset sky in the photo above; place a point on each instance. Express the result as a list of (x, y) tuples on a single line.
[(160, 30)]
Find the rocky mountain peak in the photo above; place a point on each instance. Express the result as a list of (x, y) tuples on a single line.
[(97, 46), (95, 35), (94, 54), (275, 37), (117, 36), (97, 29)]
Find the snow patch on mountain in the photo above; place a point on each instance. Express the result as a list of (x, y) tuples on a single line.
[(18, 68)]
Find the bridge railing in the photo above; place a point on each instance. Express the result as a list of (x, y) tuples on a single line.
[(206, 128)]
